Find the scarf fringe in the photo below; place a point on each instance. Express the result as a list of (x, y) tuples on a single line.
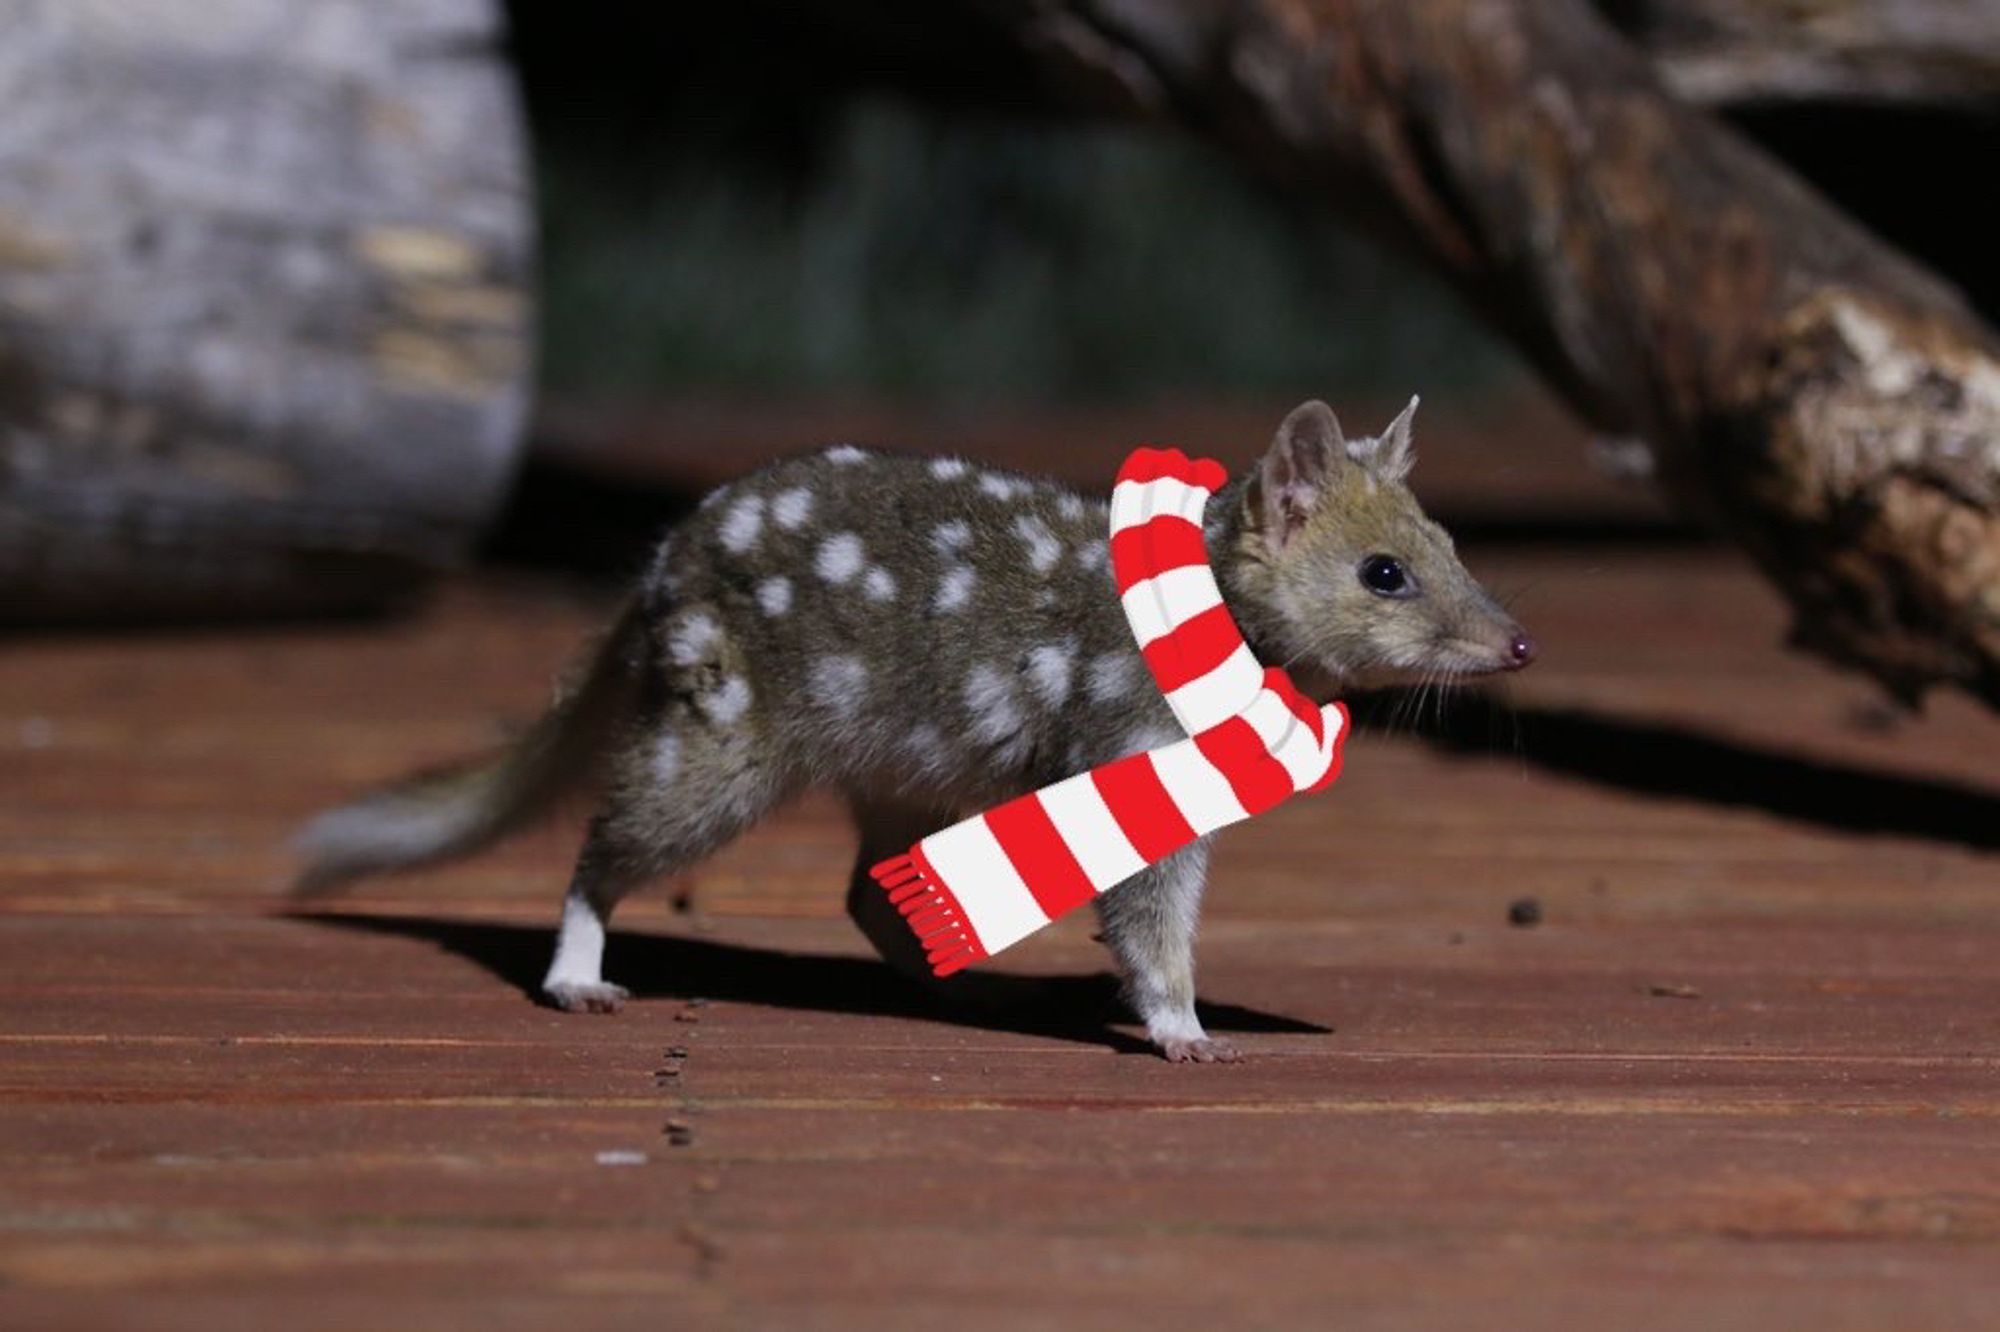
[(932, 912)]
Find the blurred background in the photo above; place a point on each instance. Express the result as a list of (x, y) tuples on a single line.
[(302, 301), (768, 231), (705, 238)]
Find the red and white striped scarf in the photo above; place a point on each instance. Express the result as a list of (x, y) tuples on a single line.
[(990, 880)]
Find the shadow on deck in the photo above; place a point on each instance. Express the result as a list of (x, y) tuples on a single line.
[(1079, 1008), (1683, 763)]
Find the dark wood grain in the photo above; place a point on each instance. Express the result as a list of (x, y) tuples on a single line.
[(1746, 1073)]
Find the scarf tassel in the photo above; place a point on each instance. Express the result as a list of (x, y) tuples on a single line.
[(932, 912)]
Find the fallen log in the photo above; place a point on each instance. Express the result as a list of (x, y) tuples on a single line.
[(262, 312), (1928, 53)]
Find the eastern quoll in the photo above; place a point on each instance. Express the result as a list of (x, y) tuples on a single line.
[(926, 637)]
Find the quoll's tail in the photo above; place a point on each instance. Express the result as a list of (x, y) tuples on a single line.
[(437, 817)]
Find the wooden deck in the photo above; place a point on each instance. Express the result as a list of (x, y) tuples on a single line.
[(1744, 1073)]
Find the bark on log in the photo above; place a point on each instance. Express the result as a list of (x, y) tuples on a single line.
[(1835, 406), (1731, 52), (261, 299)]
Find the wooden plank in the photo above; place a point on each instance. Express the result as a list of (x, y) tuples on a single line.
[(1742, 1075)]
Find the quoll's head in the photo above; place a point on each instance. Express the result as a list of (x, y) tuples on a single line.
[(1353, 579)]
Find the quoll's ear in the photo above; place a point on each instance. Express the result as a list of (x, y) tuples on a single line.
[(1293, 475), (1389, 455)]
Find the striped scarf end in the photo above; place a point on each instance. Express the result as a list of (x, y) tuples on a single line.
[(1148, 464), (932, 913)]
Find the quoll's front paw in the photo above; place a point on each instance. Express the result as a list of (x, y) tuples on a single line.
[(1199, 1050), (587, 996)]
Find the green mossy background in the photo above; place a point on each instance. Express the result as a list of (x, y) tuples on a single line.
[(882, 248)]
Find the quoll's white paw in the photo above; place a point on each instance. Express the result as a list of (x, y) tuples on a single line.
[(1199, 1050), (587, 996)]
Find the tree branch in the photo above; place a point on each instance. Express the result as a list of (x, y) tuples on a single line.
[(1723, 52), (1834, 406)]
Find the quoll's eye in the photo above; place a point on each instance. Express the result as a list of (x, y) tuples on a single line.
[(1385, 577)]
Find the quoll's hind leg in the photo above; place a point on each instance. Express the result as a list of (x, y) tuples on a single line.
[(679, 790), (1149, 924), (575, 982), (888, 829)]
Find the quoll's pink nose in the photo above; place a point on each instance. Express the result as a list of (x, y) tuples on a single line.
[(1521, 650)]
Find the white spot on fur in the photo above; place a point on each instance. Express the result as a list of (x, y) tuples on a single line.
[(661, 572), (955, 588), (742, 525), (1043, 548), (948, 469), (692, 639), (1070, 506), (1094, 555), (1051, 669), (996, 712), (840, 557), (1111, 676), (774, 595), (846, 455), (666, 758), (878, 583), (790, 508), (840, 683), (730, 700), (1002, 487), (951, 537), (923, 747)]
